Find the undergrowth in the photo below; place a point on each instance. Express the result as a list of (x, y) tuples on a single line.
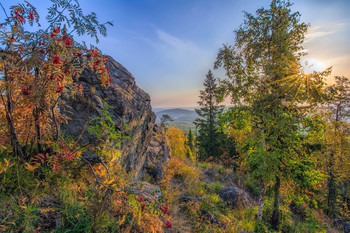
[(184, 177), (72, 201)]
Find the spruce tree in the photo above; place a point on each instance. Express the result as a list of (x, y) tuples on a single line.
[(190, 140), (207, 123)]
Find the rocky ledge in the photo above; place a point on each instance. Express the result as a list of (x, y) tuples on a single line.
[(131, 112)]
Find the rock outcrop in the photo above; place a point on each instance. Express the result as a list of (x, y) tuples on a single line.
[(158, 153), (131, 112)]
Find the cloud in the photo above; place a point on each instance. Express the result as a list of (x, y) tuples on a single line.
[(175, 42), (323, 30)]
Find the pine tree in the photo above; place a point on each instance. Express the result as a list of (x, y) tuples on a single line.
[(207, 123)]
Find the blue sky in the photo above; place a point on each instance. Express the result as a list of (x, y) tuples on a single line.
[(169, 45)]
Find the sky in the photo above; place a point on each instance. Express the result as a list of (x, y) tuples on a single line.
[(169, 45)]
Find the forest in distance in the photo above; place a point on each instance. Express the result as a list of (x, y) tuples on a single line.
[(81, 149)]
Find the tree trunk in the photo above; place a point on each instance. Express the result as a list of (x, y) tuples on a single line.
[(275, 214), (12, 129), (37, 129), (332, 192), (14, 140), (261, 201), (332, 195)]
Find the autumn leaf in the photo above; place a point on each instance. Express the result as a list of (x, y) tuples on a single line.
[(31, 167)]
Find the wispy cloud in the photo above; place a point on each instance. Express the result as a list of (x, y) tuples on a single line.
[(323, 30), (175, 42)]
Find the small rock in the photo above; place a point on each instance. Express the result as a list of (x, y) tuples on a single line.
[(205, 178), (179, 183), (346, 227), (209, 216), (150, 192), (235, 196), (186, 198)]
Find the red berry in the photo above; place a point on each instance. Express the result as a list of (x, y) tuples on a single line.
[(168, 224)]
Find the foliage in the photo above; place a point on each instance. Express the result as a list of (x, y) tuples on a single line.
[(46, 184), (266, 81), (191, 147), (105, 130), (209, 137), (337, 148), (38, 68), (165, 118), (177, 141)]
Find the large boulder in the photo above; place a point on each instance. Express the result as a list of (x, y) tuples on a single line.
[(158, 153), (235, 196), (131, 112)]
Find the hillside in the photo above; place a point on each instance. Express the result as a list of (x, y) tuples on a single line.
[(179, 115)]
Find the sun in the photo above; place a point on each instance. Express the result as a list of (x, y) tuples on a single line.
[(314, 65)]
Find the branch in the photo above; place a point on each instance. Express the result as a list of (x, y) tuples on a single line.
[(4, 10)]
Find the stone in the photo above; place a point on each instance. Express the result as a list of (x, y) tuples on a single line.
[(158, 153), (235, 196), (186, 198), (209, 216), (340, 224), (150, 192), (204, 177), (346, 227), (131, 112)]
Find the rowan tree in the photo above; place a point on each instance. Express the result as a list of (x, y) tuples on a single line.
[(39, 67)]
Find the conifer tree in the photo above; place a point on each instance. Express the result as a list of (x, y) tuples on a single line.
[(190, 140), (207, 123)]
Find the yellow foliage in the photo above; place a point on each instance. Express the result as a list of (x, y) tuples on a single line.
[(151, 222), (177, 141), (5, 165), (31, 167)]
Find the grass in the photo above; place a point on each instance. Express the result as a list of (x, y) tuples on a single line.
[(186, 177), (69, 201)]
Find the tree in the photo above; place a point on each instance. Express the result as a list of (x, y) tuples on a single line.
[(337, 143), (38, 67), (177, 141), (165, 118), (266, 81), (191, 149), (207, 123), (190, 140)]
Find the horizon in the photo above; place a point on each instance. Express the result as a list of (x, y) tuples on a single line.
[(169, 46)]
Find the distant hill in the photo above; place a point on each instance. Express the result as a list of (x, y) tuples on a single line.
[(183, 118), (179, 115)]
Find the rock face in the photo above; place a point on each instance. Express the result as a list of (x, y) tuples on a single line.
[(158, 153), (131, 107), (235, 196)]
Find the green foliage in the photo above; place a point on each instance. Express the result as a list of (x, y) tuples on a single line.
[(209, 136), (105, 130), (274, 98), (80, 23), (165, 118)]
